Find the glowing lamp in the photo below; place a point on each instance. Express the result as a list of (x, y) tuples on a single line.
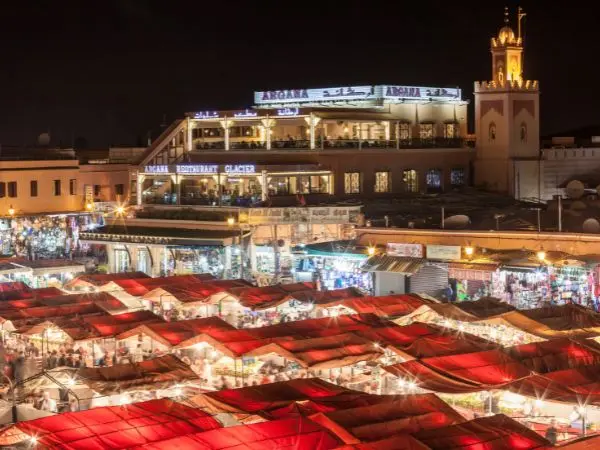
[(230, 221), (11, 211), (120, 210), (371, 251), (89, 206), (469, 251), (541, 255)]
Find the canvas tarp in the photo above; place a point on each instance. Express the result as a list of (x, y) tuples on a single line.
[(115, 427)]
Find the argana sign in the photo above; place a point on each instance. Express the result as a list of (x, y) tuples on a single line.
[(378, 92)]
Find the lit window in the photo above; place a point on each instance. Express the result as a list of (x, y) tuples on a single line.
[(404, 131), (411, 181), (523, 133), (492, 132), (434, 179), (426, 130), (457, 177), (352, 182), (382, 182), (450, 130)]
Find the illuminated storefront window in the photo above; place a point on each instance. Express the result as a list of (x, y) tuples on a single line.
[(383, 182), (352, 182)]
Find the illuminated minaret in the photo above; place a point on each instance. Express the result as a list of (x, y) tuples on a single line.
[(506, 117)]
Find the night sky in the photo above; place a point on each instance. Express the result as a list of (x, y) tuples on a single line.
[(109, 73)]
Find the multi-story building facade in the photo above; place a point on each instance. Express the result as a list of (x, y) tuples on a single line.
[(346, 141)]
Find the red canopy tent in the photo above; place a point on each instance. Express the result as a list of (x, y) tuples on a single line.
[(405, 415), (470, 372), (115, 427), (182, 333), (490, 433), (285, 434), (271, 296), (109, 326)]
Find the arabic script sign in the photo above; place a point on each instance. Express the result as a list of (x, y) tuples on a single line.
[(380, 92)]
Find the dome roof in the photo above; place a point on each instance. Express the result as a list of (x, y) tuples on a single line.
[(506, 34)]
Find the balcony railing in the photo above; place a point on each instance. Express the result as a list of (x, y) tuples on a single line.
[(299, 144), (402, 143)]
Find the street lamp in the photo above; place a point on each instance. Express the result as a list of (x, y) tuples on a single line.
[(371, 250), (89, 206), (469, 251), (230, 221), (11, 211), (120, 210), (541, 255)]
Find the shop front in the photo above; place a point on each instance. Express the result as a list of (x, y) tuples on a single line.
[(229, 184), (45, 236), (169, 251), (333, 265)]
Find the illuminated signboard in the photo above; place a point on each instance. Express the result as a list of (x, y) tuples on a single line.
[(202, 169), (198, 168), (307, 95), (240, 168), (370, 93), (206, 115), (288, 112), (157, 169), (420, 92), (246, 113)]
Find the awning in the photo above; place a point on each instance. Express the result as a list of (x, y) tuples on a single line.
[(396, 264)]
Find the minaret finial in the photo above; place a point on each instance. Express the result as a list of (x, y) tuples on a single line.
[(506, 15)]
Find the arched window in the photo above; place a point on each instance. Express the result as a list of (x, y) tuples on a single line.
[(523, 133), (492, 132)]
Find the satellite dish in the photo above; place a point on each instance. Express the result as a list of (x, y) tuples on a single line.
[(456, 222), (43, 139), (575, 189), (591, 225), (578, 205)]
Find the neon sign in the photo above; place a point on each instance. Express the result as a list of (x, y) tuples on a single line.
[(246, 113), (355, 93), (198, 168), (240, 168), (157, 169), (288, 112), (206, 115)]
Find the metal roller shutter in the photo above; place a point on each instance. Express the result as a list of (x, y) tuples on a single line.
[(431, 279)]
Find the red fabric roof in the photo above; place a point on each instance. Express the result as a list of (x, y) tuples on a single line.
[(490, 433), (408, 414), (106, 326), (385, 306), (470, 372), (100, 279), (285, 434), (115, 427), (271, 296), (176, 333)]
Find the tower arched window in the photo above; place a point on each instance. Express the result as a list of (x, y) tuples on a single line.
[(492, 132), (523, 133)]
